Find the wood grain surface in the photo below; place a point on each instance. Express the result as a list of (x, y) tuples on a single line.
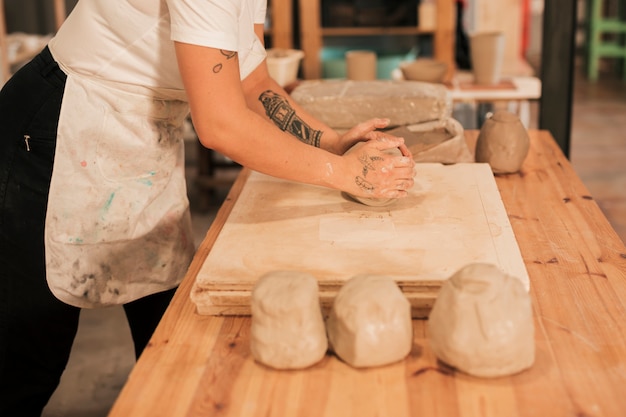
[(201, 365)]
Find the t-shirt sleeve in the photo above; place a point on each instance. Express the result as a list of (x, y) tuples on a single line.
[(211, 23), (260, 11)]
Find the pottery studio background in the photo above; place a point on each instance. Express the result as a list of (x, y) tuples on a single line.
[(587, 118)]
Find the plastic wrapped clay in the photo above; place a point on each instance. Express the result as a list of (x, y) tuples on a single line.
[(287, 330), (482, 324), (370, 322), (342, 104)]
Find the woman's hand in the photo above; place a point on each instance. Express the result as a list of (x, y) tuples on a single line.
[(361, 132), (381, 167)]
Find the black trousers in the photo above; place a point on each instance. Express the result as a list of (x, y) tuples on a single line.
[(36, 329)]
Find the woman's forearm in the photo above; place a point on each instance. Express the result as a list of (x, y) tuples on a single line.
[(228, 120), (265, 97)]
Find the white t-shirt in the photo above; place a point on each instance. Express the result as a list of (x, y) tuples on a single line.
[(131, 41)]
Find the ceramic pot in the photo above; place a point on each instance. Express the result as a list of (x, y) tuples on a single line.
[(424, 69), (487, 52), (361, 65), (503, 143), (283, 64)]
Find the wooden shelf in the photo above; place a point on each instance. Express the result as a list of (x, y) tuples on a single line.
[(281, 32), (312, 35), (373, 31)]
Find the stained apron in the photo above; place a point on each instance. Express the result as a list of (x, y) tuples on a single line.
[(118, 225)]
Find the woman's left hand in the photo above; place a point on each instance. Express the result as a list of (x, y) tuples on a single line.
[(365, 131)]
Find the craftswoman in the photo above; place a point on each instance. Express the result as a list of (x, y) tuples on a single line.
[(93, 204)]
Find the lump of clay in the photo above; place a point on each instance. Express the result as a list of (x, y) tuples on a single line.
[(369, 201), (370, 322), (503, 143), (287, 330), (482, 324), (441, 141)]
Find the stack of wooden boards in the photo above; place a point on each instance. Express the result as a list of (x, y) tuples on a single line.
[(453, 216)]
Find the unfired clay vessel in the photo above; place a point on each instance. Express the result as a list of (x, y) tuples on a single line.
[(287, 330), (424, 69), (482, 324), (361, 65), (503, 143), (487, 53)]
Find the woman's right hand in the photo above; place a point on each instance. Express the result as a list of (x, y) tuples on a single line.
[(381, 167)]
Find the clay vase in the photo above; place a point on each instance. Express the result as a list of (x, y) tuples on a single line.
[(487, 52), (361, 65), (503, 143)]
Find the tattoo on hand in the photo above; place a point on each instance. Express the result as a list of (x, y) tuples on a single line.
[(284, 116), (362, 184), (368, 163), (229, 55)]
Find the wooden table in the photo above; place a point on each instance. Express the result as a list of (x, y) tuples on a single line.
[(201, 365)]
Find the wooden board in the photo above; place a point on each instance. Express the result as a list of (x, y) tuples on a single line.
[(502, 85), (452, 217)]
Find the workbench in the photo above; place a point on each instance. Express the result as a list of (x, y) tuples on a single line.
[(516, 92), (200, 365)]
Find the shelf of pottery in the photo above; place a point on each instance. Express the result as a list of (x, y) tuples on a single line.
[(18, 47), (434, 18)]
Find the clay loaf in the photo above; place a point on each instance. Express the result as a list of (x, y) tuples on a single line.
[(482, 324), (342, 104), (370, 322), (287, 330)]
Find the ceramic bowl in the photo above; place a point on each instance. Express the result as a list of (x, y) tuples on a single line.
[(424, 69)]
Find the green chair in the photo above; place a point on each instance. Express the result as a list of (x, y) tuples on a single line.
[(606, 34)]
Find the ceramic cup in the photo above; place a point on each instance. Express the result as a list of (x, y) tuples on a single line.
[(361, 65), (487, 51)]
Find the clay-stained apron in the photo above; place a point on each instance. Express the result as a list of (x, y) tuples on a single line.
[(118, 224)]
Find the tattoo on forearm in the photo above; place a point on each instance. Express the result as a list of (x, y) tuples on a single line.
[(229, 55), (284, 116)]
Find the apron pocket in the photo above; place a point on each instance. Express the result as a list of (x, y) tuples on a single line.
[(137, 147), (131, 179)]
